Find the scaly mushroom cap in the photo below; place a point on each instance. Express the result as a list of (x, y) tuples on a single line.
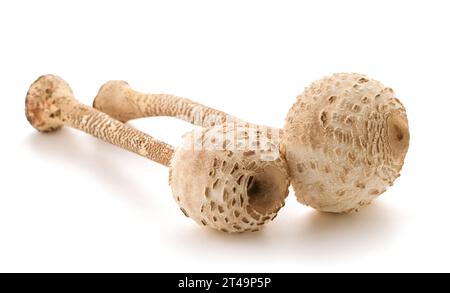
[(345, 141), (229, 178), (40, 103)]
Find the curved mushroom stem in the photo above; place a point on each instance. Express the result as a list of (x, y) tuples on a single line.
[(50, 104), (119, 100)]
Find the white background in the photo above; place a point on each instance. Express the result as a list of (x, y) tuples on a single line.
[(71, 203)]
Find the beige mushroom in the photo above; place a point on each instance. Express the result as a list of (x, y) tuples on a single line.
[(226, 177), (229, 177), (120, 101), (50, 104), (344, 141)]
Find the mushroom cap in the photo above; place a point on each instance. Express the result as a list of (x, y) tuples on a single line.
[(41, 102), (345, 141), (113, 98), (228, 177)]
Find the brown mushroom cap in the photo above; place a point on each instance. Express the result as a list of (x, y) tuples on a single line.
[(229, 178), (345, 141), (41, 102)]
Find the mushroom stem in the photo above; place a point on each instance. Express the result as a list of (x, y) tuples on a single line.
[(119, 100), (50, 104)]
